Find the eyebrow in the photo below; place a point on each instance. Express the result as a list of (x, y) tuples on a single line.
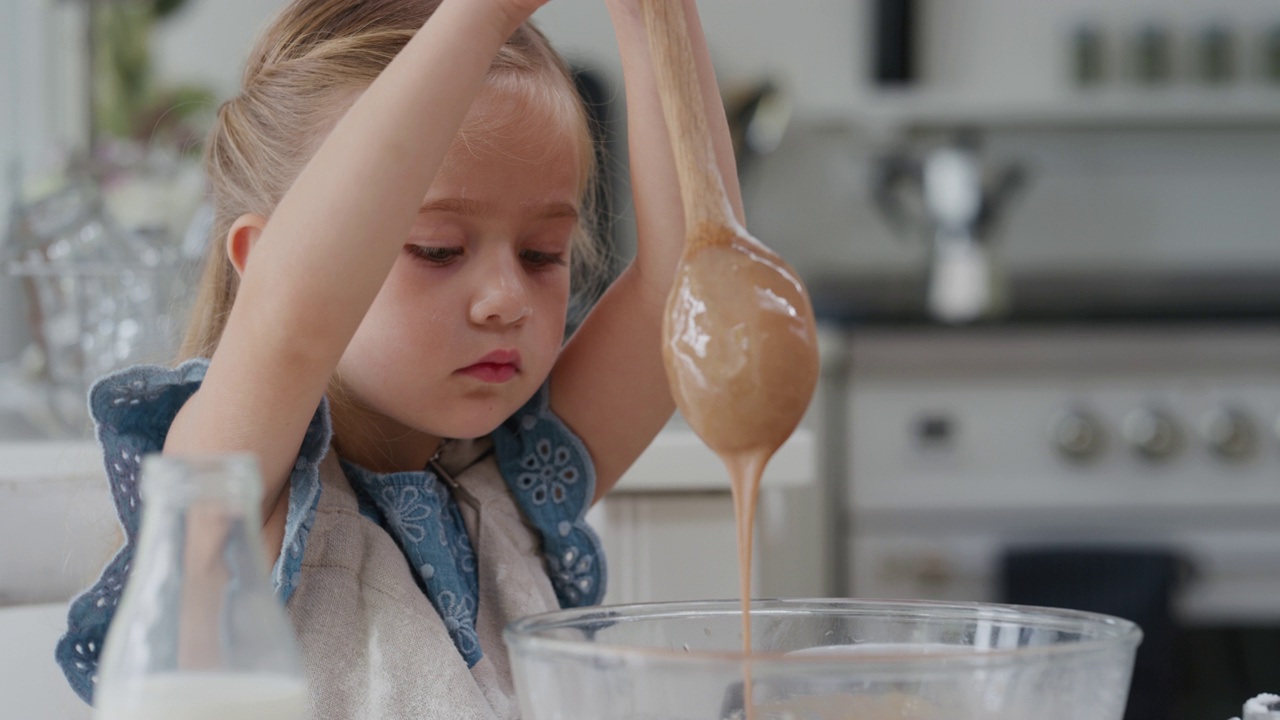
[(555, 209), (461, 206)]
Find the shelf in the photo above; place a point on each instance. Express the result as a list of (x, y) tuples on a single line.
[(1170, 109)]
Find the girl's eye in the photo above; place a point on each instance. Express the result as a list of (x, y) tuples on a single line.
[(435, 255), (537, 259)]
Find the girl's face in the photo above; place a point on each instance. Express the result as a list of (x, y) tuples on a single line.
[(471, 318)]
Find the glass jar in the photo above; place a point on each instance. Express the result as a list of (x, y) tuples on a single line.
[(1152, 55), (105, 273), (199, 634), (1216, 55), (1271, 55), (1088, 55)]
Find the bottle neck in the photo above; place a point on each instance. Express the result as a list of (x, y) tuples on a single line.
[(179, 482), (199, 548), (200, 513)]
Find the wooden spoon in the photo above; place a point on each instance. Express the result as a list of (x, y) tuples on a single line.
[(739, 340), (738, 337)]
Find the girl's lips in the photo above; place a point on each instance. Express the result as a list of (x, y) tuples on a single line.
[(490, 372), (498, 366), (501, 357)]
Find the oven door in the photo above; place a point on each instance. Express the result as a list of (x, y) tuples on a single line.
[(1219, 644)]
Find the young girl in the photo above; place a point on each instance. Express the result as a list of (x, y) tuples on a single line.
[(399, 191)]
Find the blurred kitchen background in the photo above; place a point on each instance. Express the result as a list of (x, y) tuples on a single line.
[(1042, 238)]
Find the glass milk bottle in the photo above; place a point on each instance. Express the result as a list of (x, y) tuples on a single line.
[(199, 634)]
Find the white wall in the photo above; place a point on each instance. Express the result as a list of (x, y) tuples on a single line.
[(207, 42)]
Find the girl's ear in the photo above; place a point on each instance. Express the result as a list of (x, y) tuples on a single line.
[(242, 237)]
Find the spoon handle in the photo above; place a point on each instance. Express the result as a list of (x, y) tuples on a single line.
[(701, 187)]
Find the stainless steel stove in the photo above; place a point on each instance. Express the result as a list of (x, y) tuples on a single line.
[(955, 449)]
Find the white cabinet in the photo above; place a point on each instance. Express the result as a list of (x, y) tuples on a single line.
[(670, 546)]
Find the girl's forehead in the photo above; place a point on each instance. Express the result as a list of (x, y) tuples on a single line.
[(512, 159), (523, 113)]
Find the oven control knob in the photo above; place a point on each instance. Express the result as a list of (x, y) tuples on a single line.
[(1152, 433), (1230, 433), (1077, 435)]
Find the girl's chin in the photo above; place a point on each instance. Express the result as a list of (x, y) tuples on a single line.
[(474, 424), (468, 415)]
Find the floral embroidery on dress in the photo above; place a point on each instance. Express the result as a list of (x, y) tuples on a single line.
[(422, 516), (458, 613), (406, 511), (571, 572), (462, 553), (549, 472)]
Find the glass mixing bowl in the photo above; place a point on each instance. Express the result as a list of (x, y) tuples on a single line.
[(823, 660)]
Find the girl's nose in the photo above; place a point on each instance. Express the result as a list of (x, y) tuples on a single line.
[(500, 297)]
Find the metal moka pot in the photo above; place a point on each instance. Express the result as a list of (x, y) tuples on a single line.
[(952, 196)]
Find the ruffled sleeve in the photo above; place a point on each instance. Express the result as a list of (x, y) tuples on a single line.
[(133, 410), (549, 471)]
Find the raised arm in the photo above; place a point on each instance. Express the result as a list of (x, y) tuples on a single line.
[(609, 384), (323, 255)]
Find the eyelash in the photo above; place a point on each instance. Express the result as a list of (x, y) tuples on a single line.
[(442, 256), (435, 255), (539, 259)]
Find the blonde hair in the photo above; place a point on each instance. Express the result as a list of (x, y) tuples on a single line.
[(313, 57)]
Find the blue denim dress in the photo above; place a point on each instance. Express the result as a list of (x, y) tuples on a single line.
[(523, 491)]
